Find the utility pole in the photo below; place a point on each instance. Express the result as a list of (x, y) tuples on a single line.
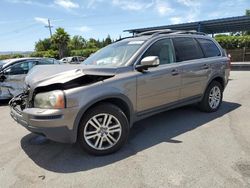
[(49, 26)]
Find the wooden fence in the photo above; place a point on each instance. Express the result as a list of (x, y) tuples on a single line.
[(239, 55)]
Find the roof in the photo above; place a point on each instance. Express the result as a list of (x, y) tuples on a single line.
[(223, 25), (8, 62)]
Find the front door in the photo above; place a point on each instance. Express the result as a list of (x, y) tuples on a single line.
[(159, 86)]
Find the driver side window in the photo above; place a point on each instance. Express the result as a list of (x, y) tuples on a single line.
[(163, 49), (19, 68)]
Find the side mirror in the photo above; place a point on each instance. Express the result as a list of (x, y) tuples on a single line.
[(147, 62)]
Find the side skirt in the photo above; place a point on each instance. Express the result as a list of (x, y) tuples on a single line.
[(170, 106)]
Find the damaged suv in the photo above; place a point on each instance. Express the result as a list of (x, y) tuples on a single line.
[(97, 102)]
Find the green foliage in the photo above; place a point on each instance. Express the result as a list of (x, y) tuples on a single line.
[(107, 41), (77, 43), (248, 12), (61, 39), (84, 52), (48, 53), (43, 45), (61, 45), (233, 42), (10, 56), (92, 43)]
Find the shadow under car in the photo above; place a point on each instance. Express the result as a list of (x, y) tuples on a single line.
[(163, 127)]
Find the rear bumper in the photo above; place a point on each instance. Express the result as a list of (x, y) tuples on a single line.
[(56, 125)]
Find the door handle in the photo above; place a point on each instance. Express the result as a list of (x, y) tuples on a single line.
[(205, 66), (174, 72)]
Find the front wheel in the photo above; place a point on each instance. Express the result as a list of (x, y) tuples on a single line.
[(104, 129), (212, 98)]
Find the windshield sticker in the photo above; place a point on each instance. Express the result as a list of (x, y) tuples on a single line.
[(136, 42)]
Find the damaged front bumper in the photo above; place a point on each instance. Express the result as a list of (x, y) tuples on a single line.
[(55, 124)]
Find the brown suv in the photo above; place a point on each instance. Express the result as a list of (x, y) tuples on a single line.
[(97, 102)]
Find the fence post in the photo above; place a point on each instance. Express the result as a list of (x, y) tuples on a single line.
[(244, 53)]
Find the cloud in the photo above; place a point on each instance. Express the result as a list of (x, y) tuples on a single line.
[(194, 9), (176, 20), (67, 4), (83, 29), (30, 2), (41, 20), (189, 3), (20, 1), (92, 3), (163, 8), (132, 4)]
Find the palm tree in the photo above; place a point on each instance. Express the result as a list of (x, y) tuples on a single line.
[(61, 39)]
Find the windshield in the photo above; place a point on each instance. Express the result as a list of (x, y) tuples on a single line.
[(2, 62), (115, 55)]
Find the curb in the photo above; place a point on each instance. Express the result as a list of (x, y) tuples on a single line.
[(240, 66)]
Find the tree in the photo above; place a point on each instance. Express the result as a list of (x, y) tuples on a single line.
[(43, 45), (92, 43), (107, 41), (247, 14), (61, 39), (77, 43)]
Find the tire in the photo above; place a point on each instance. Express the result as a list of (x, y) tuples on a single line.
[(103, 130), (206, 104)]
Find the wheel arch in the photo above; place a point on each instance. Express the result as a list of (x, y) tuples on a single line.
[(119, 100), (217, 78)]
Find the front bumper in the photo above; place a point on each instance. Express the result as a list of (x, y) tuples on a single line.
[(55, 124)]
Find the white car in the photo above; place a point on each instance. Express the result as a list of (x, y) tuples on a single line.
[(14, 71), (73, 60)]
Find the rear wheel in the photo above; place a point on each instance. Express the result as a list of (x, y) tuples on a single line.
[(212, 98), (104, 129)]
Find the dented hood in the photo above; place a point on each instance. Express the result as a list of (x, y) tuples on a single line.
[(45, 75)]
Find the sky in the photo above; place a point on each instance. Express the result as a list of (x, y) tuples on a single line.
[(22, 22)]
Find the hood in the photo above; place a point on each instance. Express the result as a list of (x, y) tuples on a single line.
[(45, 75)]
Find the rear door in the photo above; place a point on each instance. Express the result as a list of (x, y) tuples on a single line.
[(159, 86), (195, 70), (212, 59)]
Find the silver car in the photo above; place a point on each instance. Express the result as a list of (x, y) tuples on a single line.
[(96, 103), (14, 71)]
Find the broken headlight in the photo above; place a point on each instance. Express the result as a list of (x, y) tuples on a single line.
[(50, 100)]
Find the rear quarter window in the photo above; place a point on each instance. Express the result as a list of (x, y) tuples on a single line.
[(209, 48), (187, 49)]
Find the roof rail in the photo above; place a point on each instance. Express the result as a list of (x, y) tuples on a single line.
[(124, 38), (190, 32), (168, 31), (151, 32)]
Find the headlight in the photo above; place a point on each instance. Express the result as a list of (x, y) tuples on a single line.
[(53, 99)]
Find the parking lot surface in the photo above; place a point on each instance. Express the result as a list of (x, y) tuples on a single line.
[(178, 148)]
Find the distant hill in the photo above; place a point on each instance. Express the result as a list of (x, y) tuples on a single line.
[(16, 52)]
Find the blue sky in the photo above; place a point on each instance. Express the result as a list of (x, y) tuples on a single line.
[(22, 21)]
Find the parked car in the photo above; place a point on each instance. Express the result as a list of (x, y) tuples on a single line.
[(14, 71), (73, 60), (96, 103)]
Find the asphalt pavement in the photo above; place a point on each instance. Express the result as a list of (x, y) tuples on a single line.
[(179, 148)]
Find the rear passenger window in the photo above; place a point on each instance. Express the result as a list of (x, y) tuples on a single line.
[(187, 49), (209, 48)]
